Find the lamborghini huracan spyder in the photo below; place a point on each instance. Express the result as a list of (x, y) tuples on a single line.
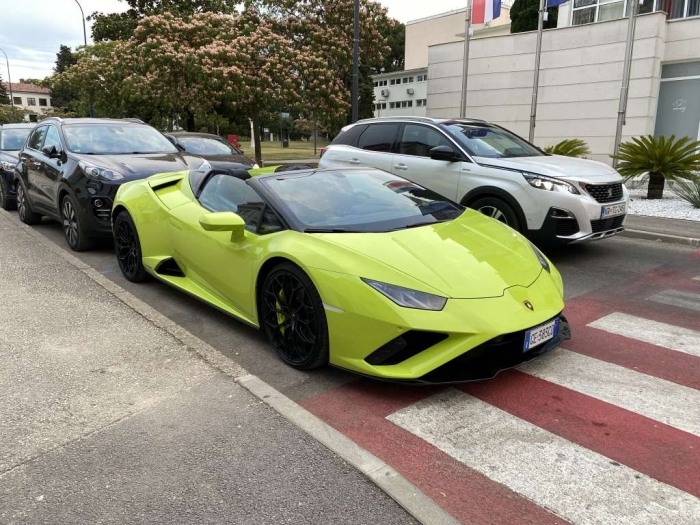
[(358, 268)]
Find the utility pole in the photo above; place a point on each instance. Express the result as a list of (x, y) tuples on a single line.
[(9, 83), (356, 63), (536, 81), (82, 15), (465, 63)]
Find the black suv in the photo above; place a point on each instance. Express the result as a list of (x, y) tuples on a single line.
[(70, 169), (12, 138)]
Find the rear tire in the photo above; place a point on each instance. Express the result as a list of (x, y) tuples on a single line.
[(24, 208), (127, 246), (497, 209)]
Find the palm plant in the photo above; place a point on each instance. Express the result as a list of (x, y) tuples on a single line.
[(659, 159), (688, 190), (569, 148)]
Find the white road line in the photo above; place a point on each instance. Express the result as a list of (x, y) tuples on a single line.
[(688, 300), (574, 482), (664, 401), (659, 334), (696, 278)]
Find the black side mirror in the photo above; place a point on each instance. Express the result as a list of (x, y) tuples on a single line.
[(51, 152), (444, 153)]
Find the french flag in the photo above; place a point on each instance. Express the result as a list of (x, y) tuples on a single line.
[(485, 10)]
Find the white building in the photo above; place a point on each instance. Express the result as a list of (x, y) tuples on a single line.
[(29, 96), (580, 72)]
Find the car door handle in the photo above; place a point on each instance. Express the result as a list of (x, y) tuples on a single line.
[(402, 167)]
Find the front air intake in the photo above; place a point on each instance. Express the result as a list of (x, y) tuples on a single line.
[(404, 346)]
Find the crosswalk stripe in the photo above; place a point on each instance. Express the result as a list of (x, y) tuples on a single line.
[(657, 450), (659, 334), (551, 471), (669, 403), (679, 298)]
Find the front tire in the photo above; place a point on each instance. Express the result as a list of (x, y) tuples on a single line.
[(72, 227), (24, 209), (128, 248), (6, 203), (497, 209), (293, 317)]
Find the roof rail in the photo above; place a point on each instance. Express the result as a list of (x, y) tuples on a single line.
[(133, 119)]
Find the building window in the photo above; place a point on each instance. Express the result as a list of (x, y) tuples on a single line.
[(394, 81), (382, 82), (422, 78), (17, 100), (421, 102), (43, 102), (31, 101), (589, 11), (683, 8)]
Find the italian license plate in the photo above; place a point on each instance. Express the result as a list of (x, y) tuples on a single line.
[(612, 210), (540, 334)]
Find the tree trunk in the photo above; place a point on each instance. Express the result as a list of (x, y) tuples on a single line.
[(655, 190), (190, 120), (256, 137)]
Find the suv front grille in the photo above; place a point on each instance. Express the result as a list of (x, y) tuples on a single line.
[(611, 223), (605, 192), (566, 227)]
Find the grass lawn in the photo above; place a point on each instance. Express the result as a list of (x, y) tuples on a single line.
[(297, 149)]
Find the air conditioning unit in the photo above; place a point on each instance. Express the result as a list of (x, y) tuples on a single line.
[(409, 91), (385, 92)]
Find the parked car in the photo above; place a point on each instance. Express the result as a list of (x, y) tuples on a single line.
[(219, 153), (12, 138), (548, 198), (358, 268), (70, 169)]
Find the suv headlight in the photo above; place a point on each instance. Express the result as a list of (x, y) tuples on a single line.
[(549, 183), (408, 298), (7, 166), (540, 256), (98, 172)]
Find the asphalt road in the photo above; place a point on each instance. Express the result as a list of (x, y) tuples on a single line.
[(584, 267)]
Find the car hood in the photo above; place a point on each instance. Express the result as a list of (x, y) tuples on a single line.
[(9, 156), (139, 166), (240, 160), (571, 168), (468, 258)]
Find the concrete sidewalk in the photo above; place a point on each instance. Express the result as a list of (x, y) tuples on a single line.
[(663, 229), (110, 413)]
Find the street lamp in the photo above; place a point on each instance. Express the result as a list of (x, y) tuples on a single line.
[(82, 14), (9, 83)]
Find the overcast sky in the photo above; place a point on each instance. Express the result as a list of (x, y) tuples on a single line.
[(33, 30)]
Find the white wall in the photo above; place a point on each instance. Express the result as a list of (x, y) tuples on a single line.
[(580, 76), (682, 40)]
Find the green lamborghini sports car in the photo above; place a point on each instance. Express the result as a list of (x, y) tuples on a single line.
[(357, 268)]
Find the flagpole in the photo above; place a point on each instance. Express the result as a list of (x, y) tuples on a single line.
[(624, 89), (465, 64), (536, 81)]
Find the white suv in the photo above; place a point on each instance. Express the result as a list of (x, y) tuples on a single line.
[(549, 198)]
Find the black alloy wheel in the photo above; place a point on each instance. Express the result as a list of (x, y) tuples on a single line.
[(24, 209), (72, 229), (128, 248), (498, 210), (293, 318), (6, 203)]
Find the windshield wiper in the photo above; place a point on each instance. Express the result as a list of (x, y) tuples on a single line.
[(329, 230)]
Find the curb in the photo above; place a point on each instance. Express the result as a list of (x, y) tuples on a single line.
[(661, 237), (405, 493)]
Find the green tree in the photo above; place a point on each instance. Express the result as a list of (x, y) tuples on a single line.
[(121, 26), (659, 159), (524, 16), (569, 148), (4, 97), (62, 96)]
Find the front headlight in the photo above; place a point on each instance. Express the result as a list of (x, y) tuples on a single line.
[(540, 257), (408, 298), (98, 172), (549, 183), (7, 166)]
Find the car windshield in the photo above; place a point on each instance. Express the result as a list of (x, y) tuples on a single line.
[(482, 140), (205, 146), (115, 139), (359, 201), (13, 139)]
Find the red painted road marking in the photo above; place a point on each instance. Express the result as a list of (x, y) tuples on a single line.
[(359, 409), (648, 446)]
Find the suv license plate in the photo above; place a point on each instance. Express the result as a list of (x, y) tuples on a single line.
[(612, 210), (540, 334)]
